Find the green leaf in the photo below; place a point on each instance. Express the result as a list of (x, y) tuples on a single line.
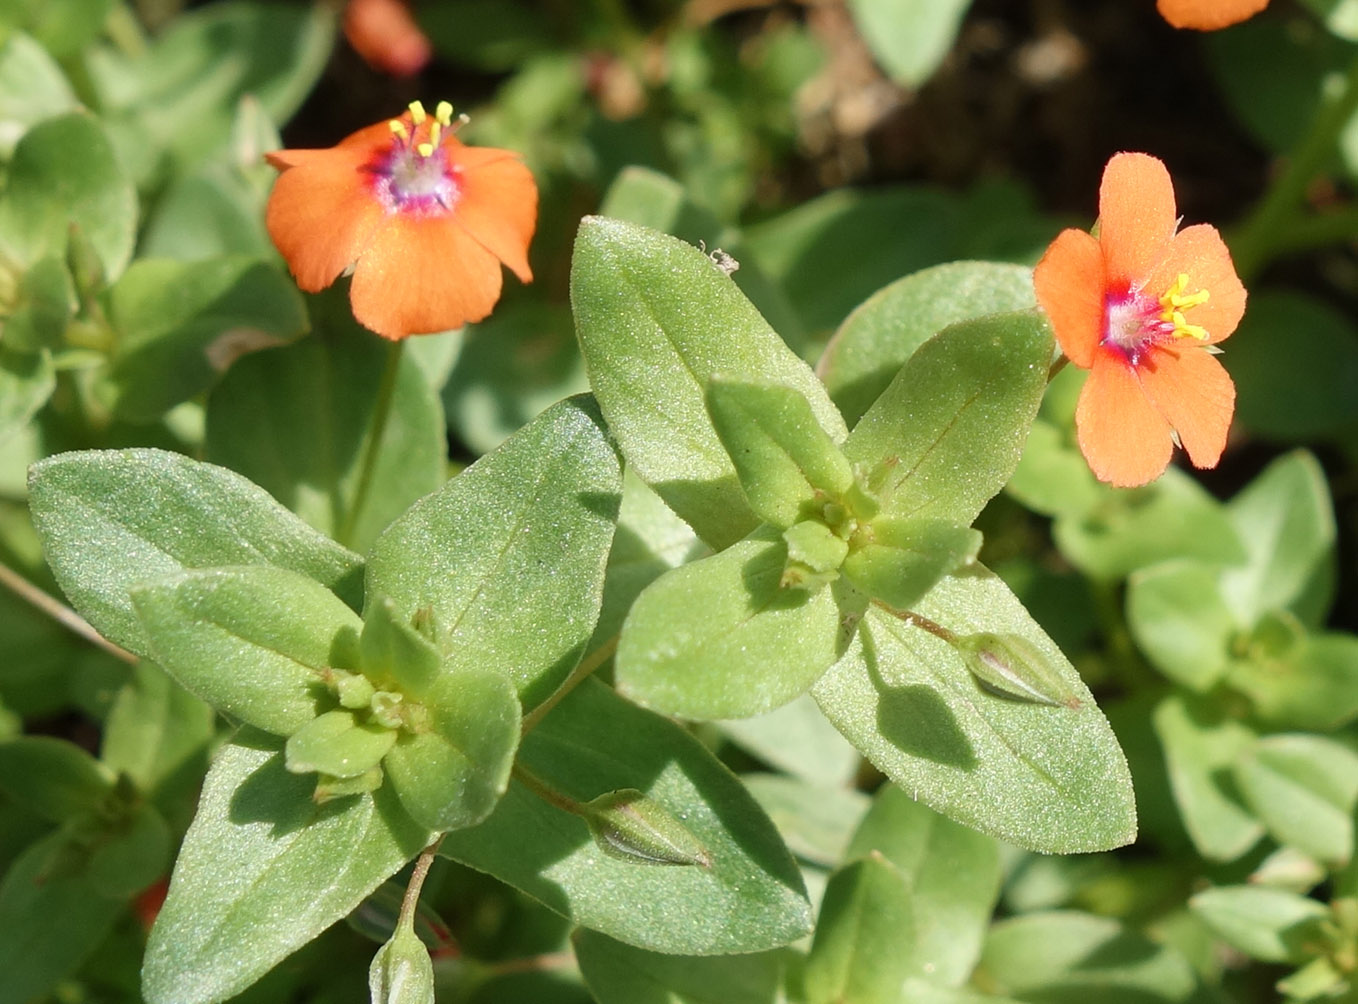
[(875, 341), (865, 918), (784, 458), (906, 556), (393, 653), (1266, 924), (1068, 957), (263, 870), (1178, 617), (750, 899), (949, 429), (1295, 363), (27, 380), (909, 37), (182, 324), (797, 738), (816, 820), (1174, 517), (42, 308), (53, 778), (164, 101), (337, 744), (32, 88), (131, 853), (720, 638), (1046, 777), (1052, 478), (507, 559), (451, 773), (64, 27), (620, 974), (1304, 788), (1201, 747), (251, 641), (157, 733), (953, 877), (110, 520), (657, 320), (213, 212), (64, 172), (1285, 520), (312, 403), (1312, 685), (51, 920)]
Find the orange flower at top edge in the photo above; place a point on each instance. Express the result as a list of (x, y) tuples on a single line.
[(423, 220), (1140, 307), (385, 34), (1208, 15)]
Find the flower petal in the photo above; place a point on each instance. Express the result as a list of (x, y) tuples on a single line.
[(1208, 15), (322, 211), (498, 204), (423, 274), (1125, 439), (386, 35), (1199, 253), (1137, 217), (1069, 281), (1193, 391)]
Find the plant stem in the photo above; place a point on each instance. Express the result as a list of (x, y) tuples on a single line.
[(1254, 244), (919, 621), (544, 791), (386, 394), (411, 901), (586, 668), (60, 613)]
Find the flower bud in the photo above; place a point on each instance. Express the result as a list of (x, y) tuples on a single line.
[(627, 824), (401, 971), (1012, 666)]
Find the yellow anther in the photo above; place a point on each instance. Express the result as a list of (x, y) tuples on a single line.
[(425, 149), (417, 112), (398, 128), (1175, 301), (443, 113)]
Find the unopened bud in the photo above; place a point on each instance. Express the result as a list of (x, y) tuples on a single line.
[(1012, 666), (627, 824), (401, 971), (814, 554), (329, 787)]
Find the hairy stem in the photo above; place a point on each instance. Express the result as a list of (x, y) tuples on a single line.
[(585, 669), (60, 613)]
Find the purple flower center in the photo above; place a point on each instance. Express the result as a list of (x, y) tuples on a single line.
[(1132, 323), (408, 181)]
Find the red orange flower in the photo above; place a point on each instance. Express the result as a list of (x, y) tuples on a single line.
[(1208, 15), (423, 220), (1140, 307), (385, 34)]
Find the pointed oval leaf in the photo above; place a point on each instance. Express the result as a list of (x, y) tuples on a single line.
[(620, 974), (875, 341), (720, 638), (53, 778), (865, 920), (1178, 617), (452, 775), (251, 641), (110, 520), (657, 320), (263, 870), (953, 422), (1048, 777), (749, 899), (1271, 925), (507, 559), (1304, 789), (782, 456), (334, 743)]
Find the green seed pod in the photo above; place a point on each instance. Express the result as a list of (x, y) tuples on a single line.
[(627, 824), (1012, 666)]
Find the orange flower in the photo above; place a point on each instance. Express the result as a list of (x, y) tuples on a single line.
[(385, 34), (1208, 15), (1140, 307), (423, 220)]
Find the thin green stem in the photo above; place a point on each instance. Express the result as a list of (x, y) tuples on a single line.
[(544, 791), (1318, 231), (411, 901), (386, 394), (60, 613), (920, 621), (1253, 244), (586, 668)]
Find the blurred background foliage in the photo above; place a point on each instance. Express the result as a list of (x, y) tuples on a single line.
[(832, 147)]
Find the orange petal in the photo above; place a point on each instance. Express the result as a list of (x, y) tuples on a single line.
[(419, 275), (1137, 216), (1069, 281), (370, 140), (1208, 15), (321, 212), (1199, 253), (1126, 441), (498, 204), (1195, 394), (386, 35)]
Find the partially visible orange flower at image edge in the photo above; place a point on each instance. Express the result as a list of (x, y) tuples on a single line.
[(1208, 15), (1141, 307), (386, 35), (423, 220)]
